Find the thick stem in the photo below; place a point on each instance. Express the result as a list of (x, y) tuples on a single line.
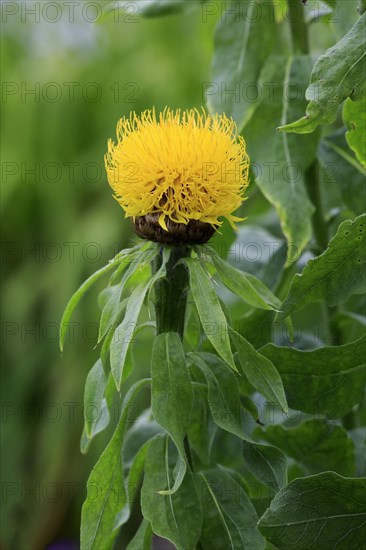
[(321, 234), (299, 31), (320, 226), (300, 42), (171, 302), (171, 292)]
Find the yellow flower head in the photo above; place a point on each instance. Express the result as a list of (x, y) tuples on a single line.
[(182, 166)]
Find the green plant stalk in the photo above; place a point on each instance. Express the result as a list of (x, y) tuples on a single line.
[(171, 292), (299, 31), (300, 44), (320, 226), (171, 295), (321, 234)]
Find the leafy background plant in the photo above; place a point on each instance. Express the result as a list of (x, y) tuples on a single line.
[(279, 243)]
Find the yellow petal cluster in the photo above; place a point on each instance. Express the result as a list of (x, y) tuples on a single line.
[(186, 165)]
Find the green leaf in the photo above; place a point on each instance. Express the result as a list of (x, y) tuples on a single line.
[(229, 518), (106, 494), (100, 425), (113, 305), (198, 430), (317, 445), (338, 74), (258, 252), (335, 275), (322, 512), (354, 116), (244, 285), (260, 372), (73, 302), (104, 414), (93, 396), (266, 463), (327, 380), (242, 45), (342, 172), (124, 332), (171, 393), (143, 538), (209, 310), (144, 429), (281, 160), (132, 484), (176, 517)]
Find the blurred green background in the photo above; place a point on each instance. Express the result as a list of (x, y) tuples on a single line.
[(65, 83), (60, 223)]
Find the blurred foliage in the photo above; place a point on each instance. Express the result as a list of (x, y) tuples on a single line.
[(61, 224)]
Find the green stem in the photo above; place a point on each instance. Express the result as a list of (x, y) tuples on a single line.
[(171, 292), (320, 226), (300, 42), (299, 31), (321, 234), (171, 302)]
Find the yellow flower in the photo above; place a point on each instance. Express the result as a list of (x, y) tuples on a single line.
[(181, 166)]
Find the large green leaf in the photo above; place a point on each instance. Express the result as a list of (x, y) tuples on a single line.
[(209, 310), (361, 7), (281, 160), (258, 252), (343, 173), (335, 275), (245, 285), (338, 74), (265, 462), (328, 380), (132, 483), (176, 517), (75, 299), (345, 16), (229, 518), (106, 494), (199, 429), (99, 426), (243, 41), (260, 372), (322, 512), (172, 393), (113, 305), (354, 116), (123, 334), (316, 444)]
